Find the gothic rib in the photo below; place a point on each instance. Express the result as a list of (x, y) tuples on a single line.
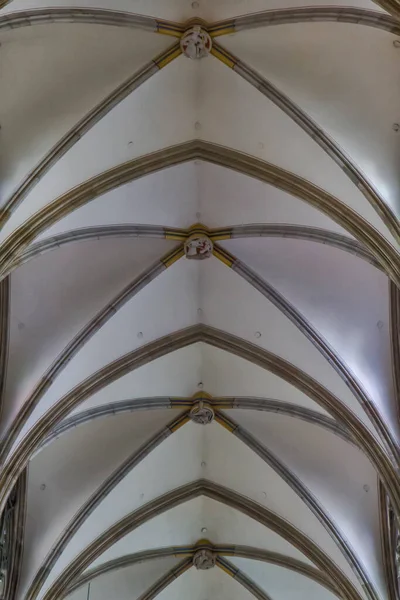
[(306, 496), (395, 340), (93, 16), (101, 232), (166, 579), (219, 339), (131, 462), (387, 524), (379, 247), (300, 232), (391, 6), (168, 402), (306, 14), (181, 495), (83, 126), (227, 567), (4, 334), (310, 127), (292, 15), (18, 505), (333, 358), (274, 558), (95, 500), (126, 294)]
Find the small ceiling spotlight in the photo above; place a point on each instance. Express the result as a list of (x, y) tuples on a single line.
[(396, 127), (203, 464), (379, 324), (366, 487), (140, 335), (204, 530), (200, 385), (42, 487), (396, 43), (195, 5), (257, 334)]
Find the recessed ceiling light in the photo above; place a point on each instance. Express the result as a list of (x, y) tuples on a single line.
[(396, 43), (200, 385), (203, 464), (140, 335), (204, 530), (195, 5), (396, 127), (366, 487), (257, 334), (42, 486), (197, 125)]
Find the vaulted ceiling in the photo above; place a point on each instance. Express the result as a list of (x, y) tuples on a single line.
[(224, 428)]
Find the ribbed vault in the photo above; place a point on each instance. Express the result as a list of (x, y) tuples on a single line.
[(199, 300)]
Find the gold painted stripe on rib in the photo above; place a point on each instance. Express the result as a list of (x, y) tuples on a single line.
[(220, 254), (218, 53), (170, 260), (165, 60), (226, 30)]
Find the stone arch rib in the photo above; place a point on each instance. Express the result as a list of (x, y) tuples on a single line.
[(83, 126), (248, 552), (224, 341), (219, 494), (379, 247), (310, 127)]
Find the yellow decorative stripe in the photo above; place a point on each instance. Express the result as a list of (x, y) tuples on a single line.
[(173, 257), (224, 423), (218, 237), (225, 569), (222, 257), (222, 57), (175, 235), (165, 60), (179, 423), (166, 31), (223, 31)]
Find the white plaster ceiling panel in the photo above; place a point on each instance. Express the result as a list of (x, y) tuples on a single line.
[(47, 310), (167, 198), (345, 298), (347, 489), (333, 71), (176, 374), (235, 114), (72, 67), (231, 304), (175, 462), (216, 371), (160, 113), (199, 585), (230, 198), (183, 9), (71, 468), (166, 304), (182, 526), (225, 374), (282, 584), (231, 464), (189, 454), (128, 583)]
